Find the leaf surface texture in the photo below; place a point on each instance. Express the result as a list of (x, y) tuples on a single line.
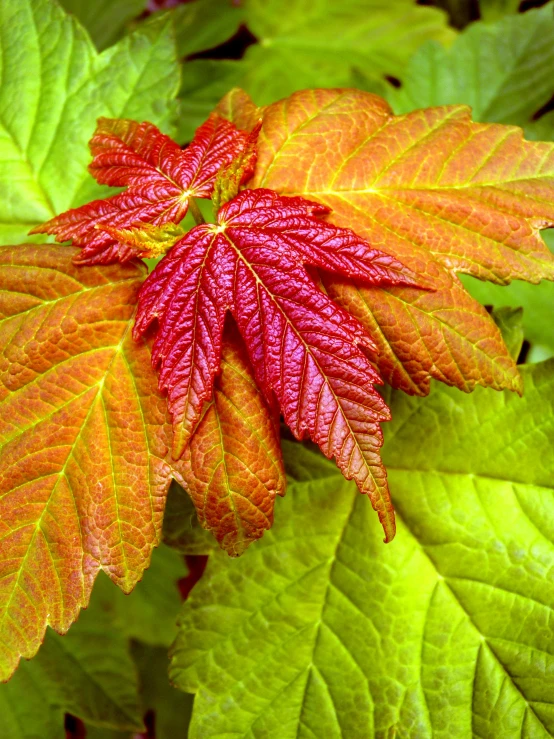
[(84, 463), (442, 194), (54, 87), (303, 348), (325, 632)]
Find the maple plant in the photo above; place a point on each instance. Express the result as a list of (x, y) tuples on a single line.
[(285, 305)]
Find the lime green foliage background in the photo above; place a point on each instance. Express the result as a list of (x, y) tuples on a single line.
[(321, 631), (318, 630)]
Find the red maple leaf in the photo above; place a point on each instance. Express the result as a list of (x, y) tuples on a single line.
[(304, 348), (160, 178)]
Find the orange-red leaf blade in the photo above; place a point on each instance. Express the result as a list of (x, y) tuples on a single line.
[(236, 468), (84, 436), (440, 193), (304, 348)]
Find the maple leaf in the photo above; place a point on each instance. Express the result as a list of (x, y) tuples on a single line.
[(303, 347), (236, 468), (462, 592), (84, 436), (160, 178), (440, 193)]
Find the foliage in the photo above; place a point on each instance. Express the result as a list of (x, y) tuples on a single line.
[(319, 630), (347, 241), (54, 87), (96, 673)]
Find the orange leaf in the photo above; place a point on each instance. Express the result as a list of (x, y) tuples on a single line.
[(84, 435), (235, 455), (437, 191)]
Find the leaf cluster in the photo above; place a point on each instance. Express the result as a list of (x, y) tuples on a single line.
[(355, 236)]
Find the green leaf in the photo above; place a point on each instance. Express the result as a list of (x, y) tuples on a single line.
[(181, 529), (541, 129), (172, 708), (149, 612), (366, 33), (88, 673), (169, 708), (204, 24), (510, 322), (503, 70), (321, 630), (54, 87), (318, 44), (105, 20), (204, 83), (492, 10)]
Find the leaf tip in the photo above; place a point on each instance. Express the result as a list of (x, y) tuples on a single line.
[(388, 523)]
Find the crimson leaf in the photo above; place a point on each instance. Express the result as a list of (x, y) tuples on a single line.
[(304, 348), (160, 178)]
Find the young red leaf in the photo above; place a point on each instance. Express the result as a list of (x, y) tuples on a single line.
[(160, 178), (303, 347), (84, 436), (236, 467), (439, 192)]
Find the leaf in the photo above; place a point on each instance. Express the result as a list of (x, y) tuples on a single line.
[(105, 20), (232, 176), (315, 38), (502, 70), (235, 461), (92, 671), (321, 631), (302, 347), (205, 24), (149, 613), (491, 10), (168, 710), (172, 709), (203, 83), (84, 433), (487, 67), (541, 129), (147, 241), (318, 44), (88, 673), (160, 178), (537, 301), (54, 87), (436, 191), (510, 322), (181, 528)]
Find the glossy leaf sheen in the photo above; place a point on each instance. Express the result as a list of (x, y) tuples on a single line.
[(439, 192), (159, 177), (84, 434), (302, 346)]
